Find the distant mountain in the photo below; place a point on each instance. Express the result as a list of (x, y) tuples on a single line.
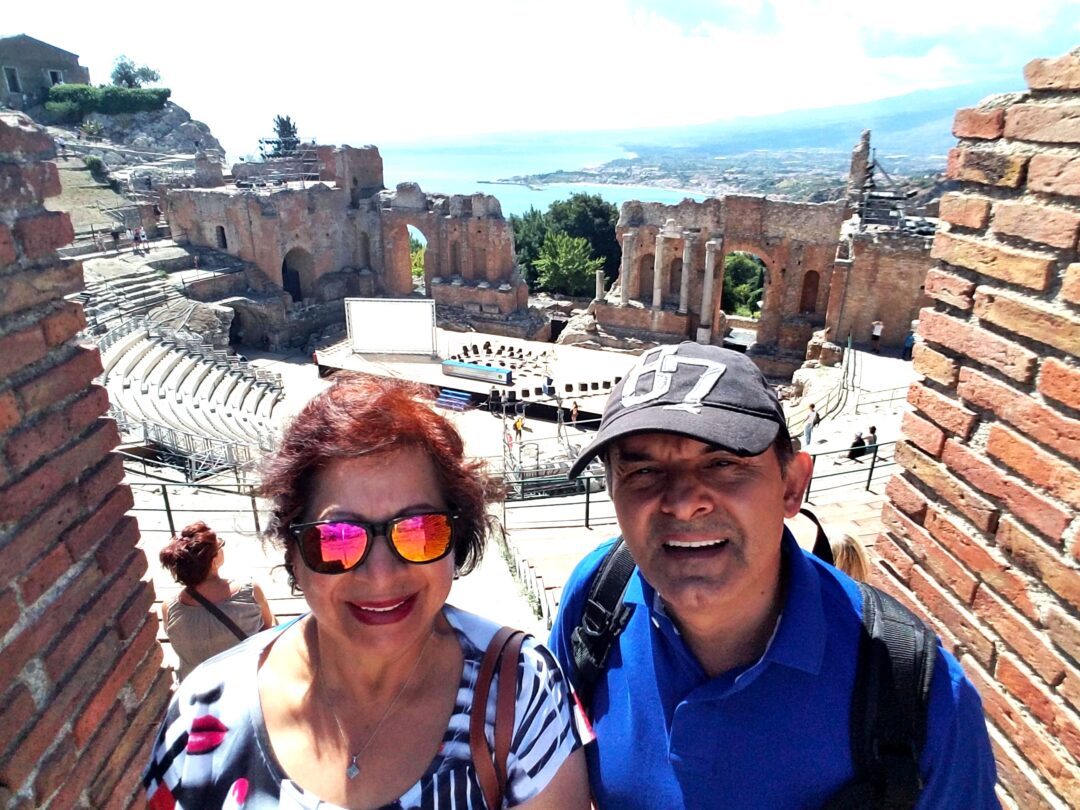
[(918, 123)]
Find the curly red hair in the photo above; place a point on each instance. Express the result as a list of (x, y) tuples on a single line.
[(363, 415), (190, 555)]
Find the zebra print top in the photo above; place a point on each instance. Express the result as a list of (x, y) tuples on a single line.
[(213, 749)]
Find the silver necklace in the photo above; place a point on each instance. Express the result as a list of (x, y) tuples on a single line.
[(352, 770)]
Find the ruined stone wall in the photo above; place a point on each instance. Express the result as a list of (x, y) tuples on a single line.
[(792, 239), (83, 689), (884, 282), (981, 529)]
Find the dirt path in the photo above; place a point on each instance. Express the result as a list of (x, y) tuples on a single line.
[(82, 196)]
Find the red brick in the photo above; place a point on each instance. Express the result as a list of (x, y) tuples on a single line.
[(1024, 267), (986, 166), (26, 186), (1055, 174), (1060, 381), (1060, 73), (917, 542), (1039, 422), (7, 246), (981, 512), (20, 349), (1043, 469), (117, 547), (61, 381), (37, 488), (120, 774), (935, 365), (965, 210), (85, 648), (985, 561), (9, 412), (1039, 558), (9, 611), (906, 497), (107, 694), (64, 324), (971, 122), (1025, 734), (978, 345), (1020, 636), (105, 519), (1039, 701), (1017, 786), (38, 532), (946, 412), (33, 287), (892, 555), (1070, 284), (56, 429), (149, 670), (21, 137), (925, 435), (17, 713), (91, 760), (943, 606), (1022, 501), (138, 609), (1069, 689), (1043, 123), (44, 574), (54, 770), (1047, 224), (1028, 318), (1064, 631), (96, 486), (949, 288), (43, 233)]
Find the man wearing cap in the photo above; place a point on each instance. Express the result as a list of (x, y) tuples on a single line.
[(731, 684)]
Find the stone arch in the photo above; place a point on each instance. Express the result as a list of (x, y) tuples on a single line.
[(219, 238), (297, 269), (417, 235), (808, 297), (645, 278), (397, 259)]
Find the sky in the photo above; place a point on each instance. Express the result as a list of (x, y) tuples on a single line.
[(418, 71)]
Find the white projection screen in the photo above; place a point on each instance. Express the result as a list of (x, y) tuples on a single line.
[(391, 325)]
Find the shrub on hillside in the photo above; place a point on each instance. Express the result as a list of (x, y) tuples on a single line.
[(62, 112), (97, 168), (109, 100)]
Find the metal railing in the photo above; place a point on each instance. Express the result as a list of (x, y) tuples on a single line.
[(874, 400), (878, 460)]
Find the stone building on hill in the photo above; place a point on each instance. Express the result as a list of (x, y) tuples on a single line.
[(822, 270), (31, 67), (341, 233)]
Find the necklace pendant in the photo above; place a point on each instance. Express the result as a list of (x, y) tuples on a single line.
[(353, 770)]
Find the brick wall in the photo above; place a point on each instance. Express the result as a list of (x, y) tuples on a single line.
[(981, 529), (82, 688)]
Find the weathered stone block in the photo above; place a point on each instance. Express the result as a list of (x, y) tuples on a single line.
[(964, 210), (1048, 224), (1027, 268), (1062, 73), (971, 122), (1028, 318), (950, 288), (1044, 123), (985, 166), (1055, 174)]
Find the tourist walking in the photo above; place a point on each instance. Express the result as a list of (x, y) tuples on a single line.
[(876, 329), (813, 419)]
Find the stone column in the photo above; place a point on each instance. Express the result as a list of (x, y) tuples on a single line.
[(658, 273), (687, 262), (599, 284), (628, 271), (705, 332)]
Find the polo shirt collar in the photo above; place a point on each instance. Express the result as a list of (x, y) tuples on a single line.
[(800, 636)]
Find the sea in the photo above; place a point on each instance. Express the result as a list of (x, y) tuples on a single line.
[(470, 167)]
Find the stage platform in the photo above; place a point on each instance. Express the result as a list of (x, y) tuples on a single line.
[(582, 375)]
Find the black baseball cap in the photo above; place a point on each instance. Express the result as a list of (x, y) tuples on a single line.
[(708, 393)]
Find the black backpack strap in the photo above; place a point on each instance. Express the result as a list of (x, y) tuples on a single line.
[(217, 613), (603, 619), (889, 705), (822, 547)]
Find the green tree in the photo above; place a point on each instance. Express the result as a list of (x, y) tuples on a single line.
[(416, 254), (566, 264), (285, 138), (127, 74), (593, 219), (529, 231), (744, 276)]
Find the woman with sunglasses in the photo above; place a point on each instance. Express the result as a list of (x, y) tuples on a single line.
[(197, 620), (365, 701)]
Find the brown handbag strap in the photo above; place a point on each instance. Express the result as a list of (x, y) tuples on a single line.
[(503, 651)]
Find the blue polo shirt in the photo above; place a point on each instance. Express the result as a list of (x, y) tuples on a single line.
[(771, 735)]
